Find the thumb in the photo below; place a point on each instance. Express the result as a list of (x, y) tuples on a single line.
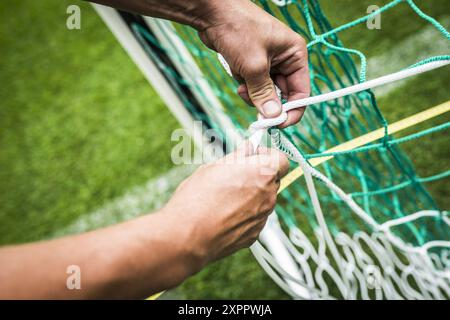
[(261, 91), (244, 149)]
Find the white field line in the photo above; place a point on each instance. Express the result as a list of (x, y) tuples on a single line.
[(139, 200), (424, 44)]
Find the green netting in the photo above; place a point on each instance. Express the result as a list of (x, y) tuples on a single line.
[(379, 176)]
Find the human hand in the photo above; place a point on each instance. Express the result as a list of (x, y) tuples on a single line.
[(224, 205), (260, 50)]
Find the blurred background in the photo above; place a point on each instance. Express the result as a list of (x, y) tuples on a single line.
[(85, 140)]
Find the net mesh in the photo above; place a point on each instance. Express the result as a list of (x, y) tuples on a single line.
[(385, 236)]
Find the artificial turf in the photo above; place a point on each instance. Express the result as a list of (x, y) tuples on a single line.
[(80, 125)]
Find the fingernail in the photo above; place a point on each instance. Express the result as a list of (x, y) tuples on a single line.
[(271, 108)]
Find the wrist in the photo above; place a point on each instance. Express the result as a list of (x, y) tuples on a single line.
[(208, 13), (201, 15)]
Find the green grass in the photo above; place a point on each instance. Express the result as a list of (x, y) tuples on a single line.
[(79, 126), (396, 23), (79, 123)]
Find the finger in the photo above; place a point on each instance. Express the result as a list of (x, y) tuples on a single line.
[(237, 77), (273, 159), (258, 227), (252, 234), (245, 149), (295, 69), (261, 88), (298, 88), (280, 159), (298, 84), (293, 116), (263, 150), (243, 93), (281, 82), (242, 151)]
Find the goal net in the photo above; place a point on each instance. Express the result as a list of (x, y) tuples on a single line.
[(354, 219)]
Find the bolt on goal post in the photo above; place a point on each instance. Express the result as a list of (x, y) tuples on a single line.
[(341, 231)]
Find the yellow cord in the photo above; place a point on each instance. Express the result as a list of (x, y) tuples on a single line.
[(367, 138), (155, 296)]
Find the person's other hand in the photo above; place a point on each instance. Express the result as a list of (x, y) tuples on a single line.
[(260, 50), (224, 205)]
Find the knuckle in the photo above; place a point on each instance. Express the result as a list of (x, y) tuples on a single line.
[(270, 173), (301, 41), (265, 179), (260, 186), (269, 204), (260, 91), (255, 68), (296, 39), (298, 55)]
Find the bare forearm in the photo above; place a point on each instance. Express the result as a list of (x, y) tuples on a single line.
[(192, 12), (208, 217), (130, 260)]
